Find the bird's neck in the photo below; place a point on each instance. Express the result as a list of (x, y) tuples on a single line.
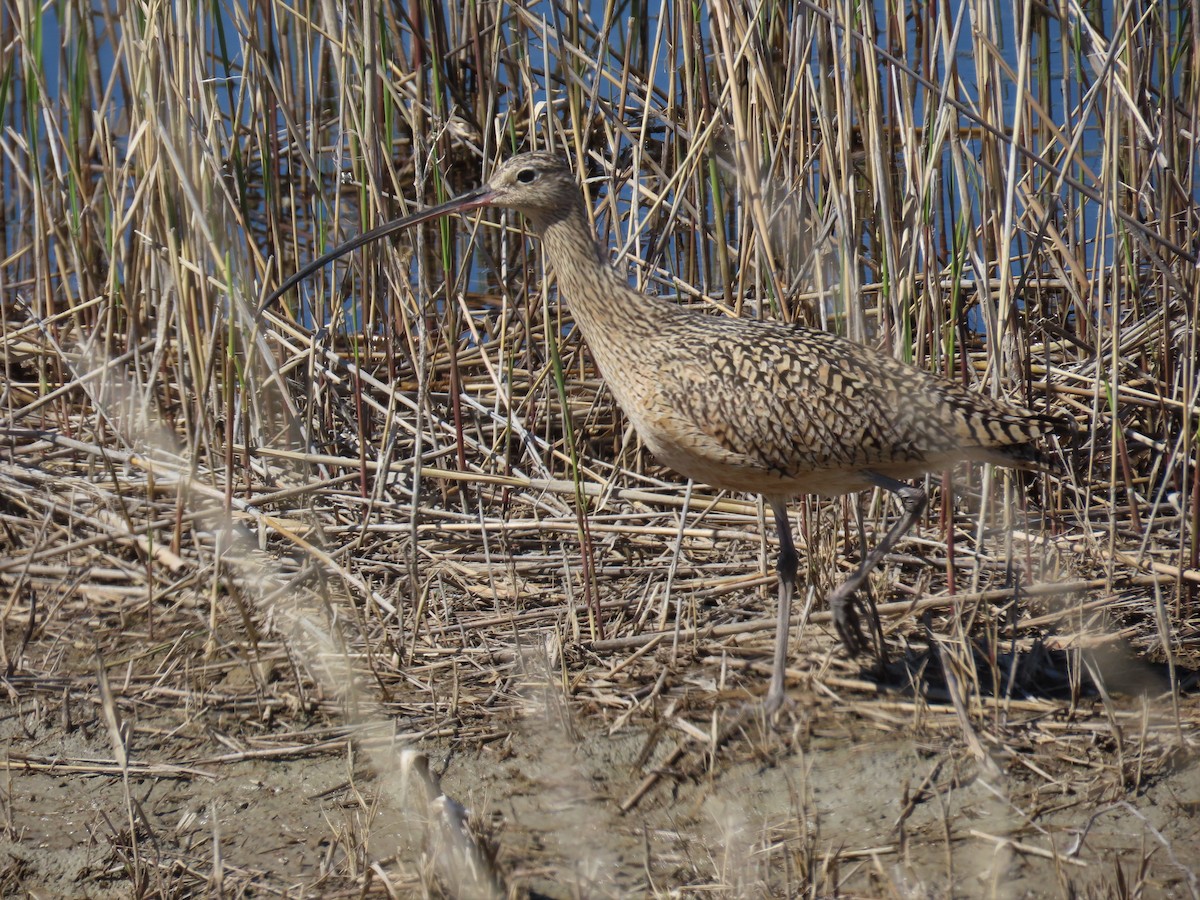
[(609, 312)]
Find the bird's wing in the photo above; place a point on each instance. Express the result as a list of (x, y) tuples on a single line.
[(792, 401)]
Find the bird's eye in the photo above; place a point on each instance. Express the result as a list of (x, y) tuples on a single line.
[(527, 176)]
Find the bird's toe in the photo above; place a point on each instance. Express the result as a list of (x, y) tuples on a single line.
[(846, 622)]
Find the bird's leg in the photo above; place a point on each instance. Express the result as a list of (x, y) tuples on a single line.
[(841, 601), (788, 562), (876, 627)]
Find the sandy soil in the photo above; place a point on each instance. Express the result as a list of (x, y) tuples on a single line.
[(869, 798)]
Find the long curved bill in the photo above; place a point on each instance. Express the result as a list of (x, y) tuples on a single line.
[(475, 199)]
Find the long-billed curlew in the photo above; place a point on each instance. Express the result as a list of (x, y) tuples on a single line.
[(748, 405)]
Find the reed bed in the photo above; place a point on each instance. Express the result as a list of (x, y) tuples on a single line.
[(402, 511)]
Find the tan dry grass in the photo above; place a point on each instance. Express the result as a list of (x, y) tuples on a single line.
[(441, 486)]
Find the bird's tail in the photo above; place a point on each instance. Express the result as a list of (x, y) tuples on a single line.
[(1051, 438)]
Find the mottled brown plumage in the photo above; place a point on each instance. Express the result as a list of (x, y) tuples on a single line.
[(747, 405)]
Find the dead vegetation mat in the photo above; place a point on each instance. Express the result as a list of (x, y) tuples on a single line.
[(214, 705)]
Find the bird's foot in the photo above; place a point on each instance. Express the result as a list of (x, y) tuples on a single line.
[(844, 606), (771, 711), (775, 703)]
